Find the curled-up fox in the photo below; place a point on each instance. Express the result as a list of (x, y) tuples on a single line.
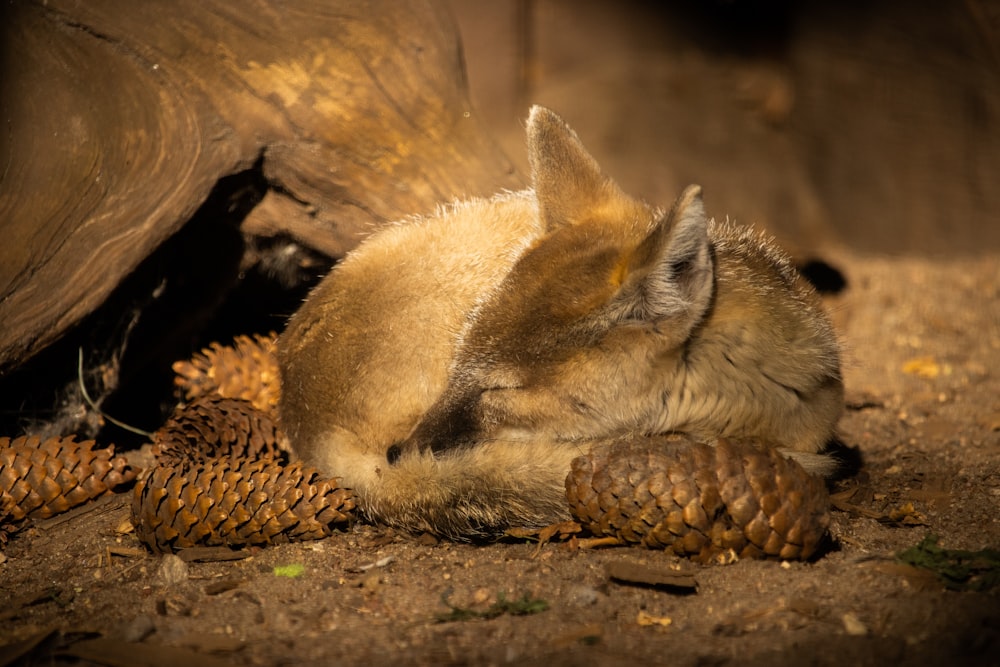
[(452, 366)]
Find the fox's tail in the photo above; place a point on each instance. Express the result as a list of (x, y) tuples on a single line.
[(835, 461)]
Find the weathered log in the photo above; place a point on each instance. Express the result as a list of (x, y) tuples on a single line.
[(121, 116)]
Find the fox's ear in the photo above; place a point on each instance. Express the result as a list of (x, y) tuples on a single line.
[(671, 273), (567, 180)]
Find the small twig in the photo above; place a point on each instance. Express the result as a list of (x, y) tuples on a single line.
[(95, 408), (851, 508), (594, 542), (127, 552), (102, 505)]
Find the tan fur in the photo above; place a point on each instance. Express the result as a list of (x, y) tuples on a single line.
[(369, 350), (451, 368)]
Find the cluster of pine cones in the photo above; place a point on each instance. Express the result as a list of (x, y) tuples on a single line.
[(223, 477)]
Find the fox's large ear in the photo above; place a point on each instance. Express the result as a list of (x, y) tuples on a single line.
[(568, 182), (671, 273)]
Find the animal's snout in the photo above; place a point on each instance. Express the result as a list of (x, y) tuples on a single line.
[(397, 450)]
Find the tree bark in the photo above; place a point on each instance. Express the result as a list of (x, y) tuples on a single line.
[(121, 116)]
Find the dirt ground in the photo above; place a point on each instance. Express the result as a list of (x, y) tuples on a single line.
[(921, 332)]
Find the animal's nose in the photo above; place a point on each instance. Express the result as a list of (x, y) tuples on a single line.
[(393, 453)]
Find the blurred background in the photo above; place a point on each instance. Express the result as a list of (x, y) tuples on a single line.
[(868, 126)]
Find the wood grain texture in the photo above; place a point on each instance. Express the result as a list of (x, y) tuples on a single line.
[(120, 117)]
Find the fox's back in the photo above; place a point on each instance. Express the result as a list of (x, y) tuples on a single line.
[(369, 350)]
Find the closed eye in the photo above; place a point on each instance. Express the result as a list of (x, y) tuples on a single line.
[(494, 391), (503, 381)]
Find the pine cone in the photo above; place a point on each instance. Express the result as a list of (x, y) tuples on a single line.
[(7, 524), (247, 369), (222, 480), (39, 479), (219, 502), (700, 501), (212, 427)]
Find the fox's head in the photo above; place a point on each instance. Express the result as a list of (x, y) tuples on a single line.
[(568, 345)]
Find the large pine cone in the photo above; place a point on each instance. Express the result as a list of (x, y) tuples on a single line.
[(219, 502), (39, 479), (247, 369), (221, 480), (700, 501)]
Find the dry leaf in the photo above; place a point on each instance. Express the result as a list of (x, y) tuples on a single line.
[(645, 619), (907, 515), (925, 367), (853, 625)]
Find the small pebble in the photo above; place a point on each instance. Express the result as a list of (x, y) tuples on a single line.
[(581, 595), (172, 570), (853, 625)]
